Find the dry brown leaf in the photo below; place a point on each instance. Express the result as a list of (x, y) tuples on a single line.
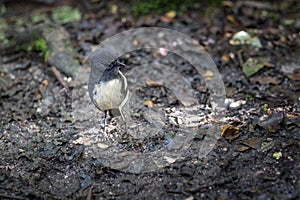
[(241, 148), (291, 116), (166, 19), (149, 103), (38, 95), (254, 143), (231, 19), (268, 64), (227, 3), (171, 14), (208, 75), (265, 80), (44, 84), (230, 132), (295, 76), (225, 58)]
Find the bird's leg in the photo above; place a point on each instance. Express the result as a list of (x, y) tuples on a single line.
[(106, 114), (121, 111), (123, 118)]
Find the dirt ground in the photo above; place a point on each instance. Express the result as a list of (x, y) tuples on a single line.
[(51, 138)]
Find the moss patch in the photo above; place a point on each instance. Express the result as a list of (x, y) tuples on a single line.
[(41, 46), (65, 14)]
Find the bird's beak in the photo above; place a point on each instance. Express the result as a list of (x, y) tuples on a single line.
[(120, 64)]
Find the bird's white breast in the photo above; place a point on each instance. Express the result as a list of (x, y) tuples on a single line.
[(108, 95)]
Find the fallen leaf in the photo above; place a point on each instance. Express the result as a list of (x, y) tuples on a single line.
[(114, 9), (266, 146), (242, 38), (225, 58), (265, 80), (252, 66), (208, 75), (294, 76), (254, 143), (237, 104), (227, 3), (232, 20), (6, 81), (171, 14), (165, 19), (277, 155), (38, 95), (169, 159), (291, 116), (239, 38), (274, 119), (44, 84), (242, 148), (230, 132), (288, 22), (268, 64)]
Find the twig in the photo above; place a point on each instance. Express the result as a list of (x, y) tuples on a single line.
[(89, 196), (59, 77), (240, 58)]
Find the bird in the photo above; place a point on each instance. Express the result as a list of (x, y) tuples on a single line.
[(110, 91)]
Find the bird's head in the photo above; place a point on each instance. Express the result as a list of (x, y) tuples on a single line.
[(112, 71)]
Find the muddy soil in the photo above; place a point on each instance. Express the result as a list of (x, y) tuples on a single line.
[(52, 142)]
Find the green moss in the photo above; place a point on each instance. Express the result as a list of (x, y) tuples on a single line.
[(2, 9), (160, 6), (65, 14), (69, 46), (41, 46), (3, 27), (22, 21), (144, 7), (265, 107), (76, 61), (215, 2), (289, 22), (249, 98), (39, 18)]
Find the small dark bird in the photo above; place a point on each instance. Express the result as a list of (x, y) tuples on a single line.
[(110, 92)]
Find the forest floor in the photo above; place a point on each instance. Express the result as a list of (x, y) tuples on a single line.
[(51, 135)]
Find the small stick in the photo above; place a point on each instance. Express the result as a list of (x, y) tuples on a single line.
[(59, 77)]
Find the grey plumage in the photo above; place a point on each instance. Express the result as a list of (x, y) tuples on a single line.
[(98, 61)]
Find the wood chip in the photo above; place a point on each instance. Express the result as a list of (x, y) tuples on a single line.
[(152, 83)]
